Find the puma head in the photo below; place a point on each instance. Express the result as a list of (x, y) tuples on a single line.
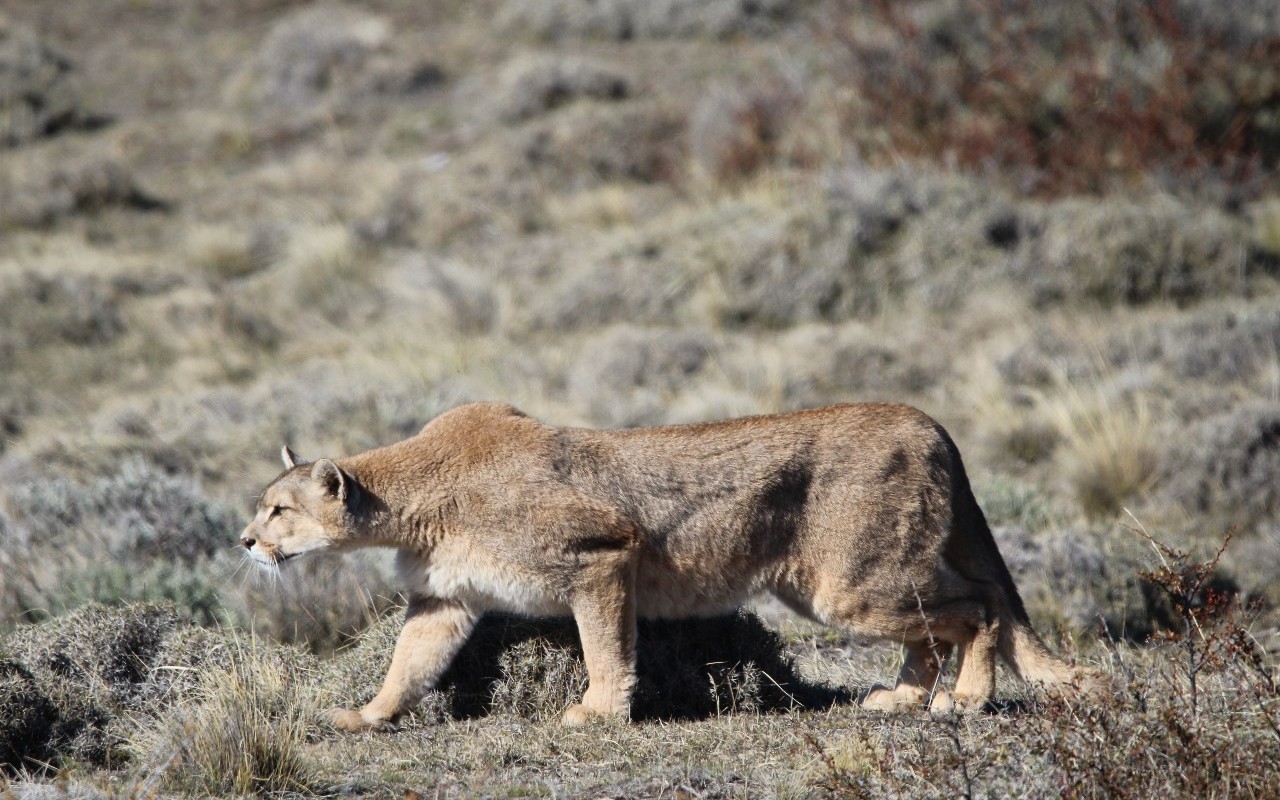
[(310, 507)]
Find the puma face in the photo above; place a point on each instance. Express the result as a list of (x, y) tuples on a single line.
[(307, 509)]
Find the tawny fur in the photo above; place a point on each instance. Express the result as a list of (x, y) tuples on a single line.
[(858, 516)]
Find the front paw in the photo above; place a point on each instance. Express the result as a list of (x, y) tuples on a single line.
[(352, 721), (577, 715)]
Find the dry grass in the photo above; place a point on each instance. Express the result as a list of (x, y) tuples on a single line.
[(242, 732), (1109, 444)]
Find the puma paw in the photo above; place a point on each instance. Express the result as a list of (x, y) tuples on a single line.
[(956, 703), (883, 699), (942, 703), (352, 721), (577, 715)]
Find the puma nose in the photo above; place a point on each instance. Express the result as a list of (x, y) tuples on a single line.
[(247, 542)]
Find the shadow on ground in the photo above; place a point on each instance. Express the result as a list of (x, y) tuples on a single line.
[(686, 669)]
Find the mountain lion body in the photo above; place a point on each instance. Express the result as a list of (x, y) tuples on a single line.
[(858, 516)]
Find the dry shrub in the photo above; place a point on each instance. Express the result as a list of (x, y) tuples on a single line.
[(1118, 253), (225, 253), (1198, 716), (96, 665), (529, 86), (324, 270), (444, 294), (45, 310), (774, 256), (39, 192), (1057, 97), (39, 90), (308, 55), (1215, 346), (619, 19), (918, 234), (136, 534), (687, 669), (1006, 500), (1226, 468), (1079, 581), (736, 130), (626, 376), (589, 144), (1265, 222), (26, 719), (241, 731), (1214, 718), (836, 363)]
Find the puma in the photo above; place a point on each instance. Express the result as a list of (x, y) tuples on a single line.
[(858, 516)]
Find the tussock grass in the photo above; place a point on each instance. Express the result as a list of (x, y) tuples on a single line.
[(1109, 447), (242, 732)]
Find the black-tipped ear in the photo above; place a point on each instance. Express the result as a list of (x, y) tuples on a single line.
[(331, 477), (289, 458)]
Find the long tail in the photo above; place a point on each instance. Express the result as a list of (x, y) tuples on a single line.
[(1018, 644)]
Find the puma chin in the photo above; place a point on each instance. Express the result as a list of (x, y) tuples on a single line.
[(858, 516)]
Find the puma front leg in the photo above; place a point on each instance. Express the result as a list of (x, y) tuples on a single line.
[(434, 631), (604, 608)]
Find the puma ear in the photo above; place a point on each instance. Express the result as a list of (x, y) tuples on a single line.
[(331, 477), (289, 458)]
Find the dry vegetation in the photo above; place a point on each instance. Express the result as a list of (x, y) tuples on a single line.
[(226, 225)]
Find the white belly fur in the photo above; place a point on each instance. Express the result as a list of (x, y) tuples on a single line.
[(483, 585), (479, 583)]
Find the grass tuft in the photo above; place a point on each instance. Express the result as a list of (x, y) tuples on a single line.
[(1109, 446), (243, 734)]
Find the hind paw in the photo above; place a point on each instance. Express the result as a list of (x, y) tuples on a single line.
[(352, 721), (882, 698), (956, 703)]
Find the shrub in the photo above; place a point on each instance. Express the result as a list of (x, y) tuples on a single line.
[(93, 666), (589, 144), (533, 85), (447, 294), (618, 19), (837, 363), (1075, 580), (1118, 253), (1226, 470), (913, 233), (26, 719), (309, 54), (626, 375), (39, 91), (321, 603), (1108, 446), (78, 311), (1009, 501), (138, 511), (736, 130), (1059, 99)]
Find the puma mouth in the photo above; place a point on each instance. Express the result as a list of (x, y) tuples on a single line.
[(273, 559)]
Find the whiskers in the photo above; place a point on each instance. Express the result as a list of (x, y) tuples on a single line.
[(259, 571)]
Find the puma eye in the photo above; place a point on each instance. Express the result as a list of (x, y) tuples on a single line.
[(275, 512)]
